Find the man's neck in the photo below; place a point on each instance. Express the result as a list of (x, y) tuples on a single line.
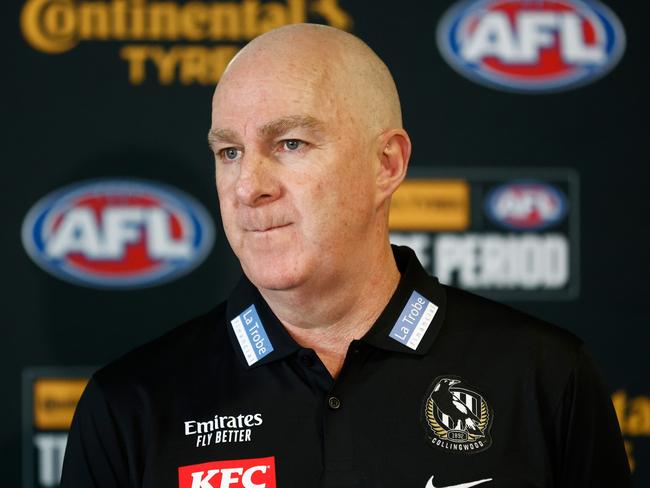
[(328, 320)]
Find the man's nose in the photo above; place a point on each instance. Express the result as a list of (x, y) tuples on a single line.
[(256, 183)]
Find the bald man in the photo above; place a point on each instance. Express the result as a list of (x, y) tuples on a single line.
[(337, 361), (309, 147)]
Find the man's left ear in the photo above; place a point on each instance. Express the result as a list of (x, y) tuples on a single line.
[(394, 152)]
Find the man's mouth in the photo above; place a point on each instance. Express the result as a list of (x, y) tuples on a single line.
[(260, 230)]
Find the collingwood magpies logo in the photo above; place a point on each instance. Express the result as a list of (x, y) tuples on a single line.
[(456, 417)]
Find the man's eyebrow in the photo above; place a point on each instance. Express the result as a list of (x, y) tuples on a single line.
[(221, 135), (285, 124), (271, 129)]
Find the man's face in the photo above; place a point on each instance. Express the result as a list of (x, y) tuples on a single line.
[(294, 175)]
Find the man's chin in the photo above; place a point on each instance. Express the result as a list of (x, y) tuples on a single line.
[(274, 272), (275, 282)]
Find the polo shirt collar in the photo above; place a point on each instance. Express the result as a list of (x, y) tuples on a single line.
[(409, 323), (256, 333), (414, 315)]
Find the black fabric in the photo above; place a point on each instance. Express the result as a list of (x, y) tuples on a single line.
[(551, 423)]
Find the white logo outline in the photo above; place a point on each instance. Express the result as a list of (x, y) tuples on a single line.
[(462, 485)]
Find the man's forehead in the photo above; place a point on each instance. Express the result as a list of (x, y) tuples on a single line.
[(270, 95), (269, 129), (280, 85), (287, 123)]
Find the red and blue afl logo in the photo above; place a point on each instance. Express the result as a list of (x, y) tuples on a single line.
[(526, 205), (532, 46), (118, 233)]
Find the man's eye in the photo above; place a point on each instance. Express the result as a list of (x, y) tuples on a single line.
[(292, 144), (229, 153)]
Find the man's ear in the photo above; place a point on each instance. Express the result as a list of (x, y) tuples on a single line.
[(394, 151)]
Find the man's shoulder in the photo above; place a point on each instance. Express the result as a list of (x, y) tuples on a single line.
[(500, 327), (172, 355)]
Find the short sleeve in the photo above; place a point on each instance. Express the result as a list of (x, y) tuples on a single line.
[(95, 455), (589, 444)]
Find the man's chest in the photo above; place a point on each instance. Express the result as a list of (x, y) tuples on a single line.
[(430, 429)]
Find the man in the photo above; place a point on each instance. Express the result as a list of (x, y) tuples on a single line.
[(337, 361)]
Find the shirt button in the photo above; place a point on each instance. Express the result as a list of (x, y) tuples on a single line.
[(334, 403)]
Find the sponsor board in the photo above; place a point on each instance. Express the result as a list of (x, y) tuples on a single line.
[(633, 413), (531, 47), (521, 239), (187, 43), (49, 397), (114, 233)]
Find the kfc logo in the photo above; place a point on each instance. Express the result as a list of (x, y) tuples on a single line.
[(239, 473)]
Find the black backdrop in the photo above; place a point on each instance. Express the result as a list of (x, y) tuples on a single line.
[(74, 116)]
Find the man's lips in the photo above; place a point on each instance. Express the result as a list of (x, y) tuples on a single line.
[(259, 230)]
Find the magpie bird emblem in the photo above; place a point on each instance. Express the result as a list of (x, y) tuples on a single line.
[(456, 416)]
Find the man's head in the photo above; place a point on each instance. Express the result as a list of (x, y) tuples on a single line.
[(309, 146)]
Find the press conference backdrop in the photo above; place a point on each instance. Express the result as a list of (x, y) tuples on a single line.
[(528, 181)]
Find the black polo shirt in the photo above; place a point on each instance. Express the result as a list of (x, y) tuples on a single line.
[(446, 390)]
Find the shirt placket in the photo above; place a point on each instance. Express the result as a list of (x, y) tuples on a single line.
[(341, 461)]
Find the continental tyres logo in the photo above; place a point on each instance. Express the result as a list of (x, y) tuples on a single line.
[(200, 38)]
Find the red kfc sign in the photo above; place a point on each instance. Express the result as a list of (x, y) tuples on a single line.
[(239, 473)]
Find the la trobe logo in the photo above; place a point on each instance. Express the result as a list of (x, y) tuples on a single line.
[(531, 46), (118, 233)]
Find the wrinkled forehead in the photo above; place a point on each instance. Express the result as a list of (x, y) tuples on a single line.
[(259, 88)]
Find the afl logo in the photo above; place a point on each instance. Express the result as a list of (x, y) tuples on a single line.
[(118, 233), (526, 206), (531, 46)]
